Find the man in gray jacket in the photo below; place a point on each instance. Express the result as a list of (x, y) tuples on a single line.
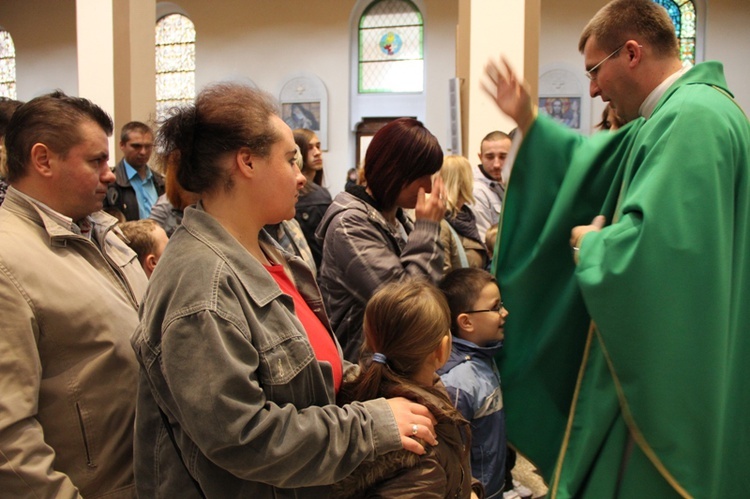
[(489, 187), (70, 291)]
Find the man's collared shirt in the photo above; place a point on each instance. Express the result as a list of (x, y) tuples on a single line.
[(82, 227), (145, 189)]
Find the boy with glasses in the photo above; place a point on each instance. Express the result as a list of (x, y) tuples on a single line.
[(471, 376)]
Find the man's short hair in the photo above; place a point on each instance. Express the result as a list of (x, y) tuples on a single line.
[(134, 126), (493, 137), (461, 288), (140, 236), (640, 20), (54, 120)]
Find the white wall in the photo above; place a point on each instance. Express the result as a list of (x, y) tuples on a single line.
[(728, 40), (268, 42), (44, 33)]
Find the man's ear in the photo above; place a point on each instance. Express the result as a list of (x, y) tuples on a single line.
[(149, 263), (42, 159), (634, 51)]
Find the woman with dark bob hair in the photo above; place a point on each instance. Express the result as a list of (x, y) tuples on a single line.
[(239, 368), (369, 240)]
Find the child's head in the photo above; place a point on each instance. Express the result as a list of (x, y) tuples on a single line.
[(147, 239), (476, 307), (407, 338), (407, 322)]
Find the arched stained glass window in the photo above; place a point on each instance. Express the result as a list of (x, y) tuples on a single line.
[(682, 13), (175, 63), (391, 56), (7, 66)]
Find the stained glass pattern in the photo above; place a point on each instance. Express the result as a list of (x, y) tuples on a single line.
[(175, 63), (682, 13), (7, 66), (390, 13), (391, 57)]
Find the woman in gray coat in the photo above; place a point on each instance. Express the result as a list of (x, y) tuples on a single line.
[(369, 240)]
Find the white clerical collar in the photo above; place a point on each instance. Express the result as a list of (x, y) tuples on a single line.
[(648, 106)]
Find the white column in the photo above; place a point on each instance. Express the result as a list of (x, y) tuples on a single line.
[(95, 47), (488, 28)]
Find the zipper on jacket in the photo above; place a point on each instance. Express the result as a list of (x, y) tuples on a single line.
[(89, 462)]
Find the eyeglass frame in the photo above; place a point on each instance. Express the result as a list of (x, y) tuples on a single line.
[(592, 73), (497, 310)]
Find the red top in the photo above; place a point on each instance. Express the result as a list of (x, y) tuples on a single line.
[(319, 337)]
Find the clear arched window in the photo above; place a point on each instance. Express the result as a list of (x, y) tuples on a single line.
[(7, 66), (391, 55), (175, 63), (682, 13)]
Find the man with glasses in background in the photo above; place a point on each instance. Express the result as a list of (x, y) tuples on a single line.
[(632, 351)]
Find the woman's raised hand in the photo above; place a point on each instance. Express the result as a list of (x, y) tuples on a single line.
[(433, 207)]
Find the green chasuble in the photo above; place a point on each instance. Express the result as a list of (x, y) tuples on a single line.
[(622, 376)]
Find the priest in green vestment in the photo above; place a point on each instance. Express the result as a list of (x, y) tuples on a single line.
[(622, 367)]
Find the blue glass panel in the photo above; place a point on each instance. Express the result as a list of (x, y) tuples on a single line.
[(674, 13)]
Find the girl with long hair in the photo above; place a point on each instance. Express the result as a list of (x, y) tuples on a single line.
[(407, 331), (458, 232)]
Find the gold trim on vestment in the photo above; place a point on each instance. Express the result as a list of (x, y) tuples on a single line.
[(633, 427)]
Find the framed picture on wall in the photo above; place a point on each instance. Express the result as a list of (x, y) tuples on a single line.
[(304, 104), (565, 110), (302, 115)]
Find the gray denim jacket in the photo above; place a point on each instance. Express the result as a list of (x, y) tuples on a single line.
[(224, 356)]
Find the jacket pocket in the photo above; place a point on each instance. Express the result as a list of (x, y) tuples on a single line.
[(282, 360), (85, 436)]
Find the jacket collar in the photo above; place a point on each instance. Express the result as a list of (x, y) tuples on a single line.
[(358, 201), (360, 192), (57, 226), (464, 351), (258, 283)]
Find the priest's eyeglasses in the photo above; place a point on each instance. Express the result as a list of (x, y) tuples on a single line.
[(497, 308), (592, 73)]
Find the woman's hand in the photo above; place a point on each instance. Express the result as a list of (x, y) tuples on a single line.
[(411, 416), (511, 95), (432, 208)]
